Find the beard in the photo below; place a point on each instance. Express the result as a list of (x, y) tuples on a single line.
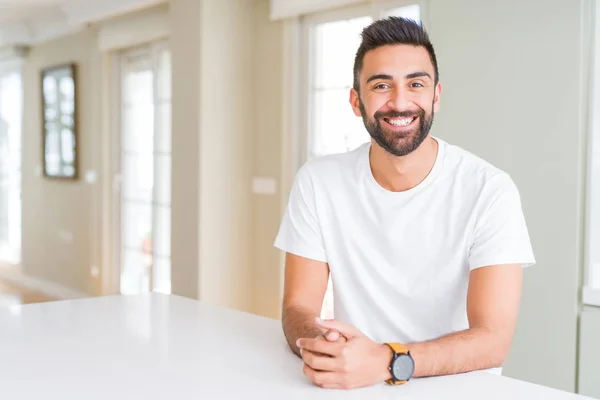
[(395, 143)]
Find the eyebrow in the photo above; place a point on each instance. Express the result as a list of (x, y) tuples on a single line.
[(417, 75), (380, 76), (389, 77)]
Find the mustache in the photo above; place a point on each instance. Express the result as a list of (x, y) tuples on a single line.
[(398, 114)]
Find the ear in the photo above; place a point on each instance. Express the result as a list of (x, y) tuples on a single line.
[(436, 98), (355, 102)]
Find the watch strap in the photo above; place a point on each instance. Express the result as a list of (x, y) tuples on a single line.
[(398, 349)]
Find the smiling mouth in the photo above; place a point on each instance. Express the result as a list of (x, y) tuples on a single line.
[(402, 122)]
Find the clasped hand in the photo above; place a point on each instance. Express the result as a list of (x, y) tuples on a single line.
[(343, 357)]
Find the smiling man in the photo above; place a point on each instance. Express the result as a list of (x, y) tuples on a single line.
[(425, 242)]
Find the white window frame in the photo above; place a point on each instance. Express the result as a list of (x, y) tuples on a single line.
[(308, 23), (113, 269), (114, 36), (10, 66), (591, 294)]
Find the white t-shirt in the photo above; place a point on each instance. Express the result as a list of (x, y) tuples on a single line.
[(400, 261)]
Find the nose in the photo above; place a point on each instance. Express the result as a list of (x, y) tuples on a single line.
[(399, 99)]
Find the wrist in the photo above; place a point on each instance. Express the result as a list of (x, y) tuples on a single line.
[(415, 351), (386, 359)]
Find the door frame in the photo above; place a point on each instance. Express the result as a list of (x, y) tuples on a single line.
[(111, 266)]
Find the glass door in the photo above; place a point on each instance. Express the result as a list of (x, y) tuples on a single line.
[(145, 176), (11, 112)]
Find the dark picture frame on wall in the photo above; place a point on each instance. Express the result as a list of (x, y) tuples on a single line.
[(59, 122)]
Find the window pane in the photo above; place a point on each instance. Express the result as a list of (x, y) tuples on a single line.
[(163, 179), (162, 275), (335, 47), (594, 216), (135, 272), (3, 210), (164, 75), (137, 225), (138, 177), (138, 77), (138, 128), (162, 232), (411, 12), (146, 170), (163, 127), (336, 128), (11, 107)]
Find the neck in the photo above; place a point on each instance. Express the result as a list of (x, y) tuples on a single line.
[(398, 174)]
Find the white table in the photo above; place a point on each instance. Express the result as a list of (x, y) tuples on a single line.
[(155, 346)]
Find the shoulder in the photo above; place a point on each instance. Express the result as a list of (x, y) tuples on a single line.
[(468, 167), (482, 180), (331, 168)]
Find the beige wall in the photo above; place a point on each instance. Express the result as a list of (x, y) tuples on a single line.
[(226, 152), (52, 207), (213, 150), (215, 99), (268, 109), (185, 169)]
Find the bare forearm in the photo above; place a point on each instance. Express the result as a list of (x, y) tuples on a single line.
[(464, 351), (299, 323)]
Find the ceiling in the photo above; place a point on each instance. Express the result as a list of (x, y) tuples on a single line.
[(27, 22), (11, 10)]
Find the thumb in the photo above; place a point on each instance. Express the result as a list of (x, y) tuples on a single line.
[(345, 329), (332, 335)]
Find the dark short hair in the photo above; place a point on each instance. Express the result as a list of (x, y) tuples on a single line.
[(390, 31)]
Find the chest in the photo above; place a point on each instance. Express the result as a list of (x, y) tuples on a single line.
[(422, 238)]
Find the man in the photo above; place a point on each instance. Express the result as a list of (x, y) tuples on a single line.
[(424, 241)]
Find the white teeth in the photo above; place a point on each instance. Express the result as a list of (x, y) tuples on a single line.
[(400, 122)]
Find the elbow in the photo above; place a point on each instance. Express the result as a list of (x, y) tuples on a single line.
[(501, 351), (499, 358), (497, 344)]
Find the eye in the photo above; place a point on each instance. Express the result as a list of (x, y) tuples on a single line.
[(416, 85), (382, 86)]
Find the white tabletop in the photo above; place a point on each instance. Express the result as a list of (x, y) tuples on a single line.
[(156, 346)]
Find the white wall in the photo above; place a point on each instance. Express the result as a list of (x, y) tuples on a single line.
[(511, 72), (589, 358)]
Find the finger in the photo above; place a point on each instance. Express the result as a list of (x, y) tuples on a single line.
[(321, 346), (321, 362), (320, 378), (345, 329), (332, 335), (340, 338)]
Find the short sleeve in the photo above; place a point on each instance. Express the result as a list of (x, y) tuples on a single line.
[(501, 235), (300, 231)]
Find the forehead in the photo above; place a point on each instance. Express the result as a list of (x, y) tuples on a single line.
[(396, 60)]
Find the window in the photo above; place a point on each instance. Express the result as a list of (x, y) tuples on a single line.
[(591, 292), (332, 43), (332, 40), (145, 198), (11, 109)]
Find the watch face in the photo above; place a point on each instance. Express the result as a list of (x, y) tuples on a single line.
[(403, 368)]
